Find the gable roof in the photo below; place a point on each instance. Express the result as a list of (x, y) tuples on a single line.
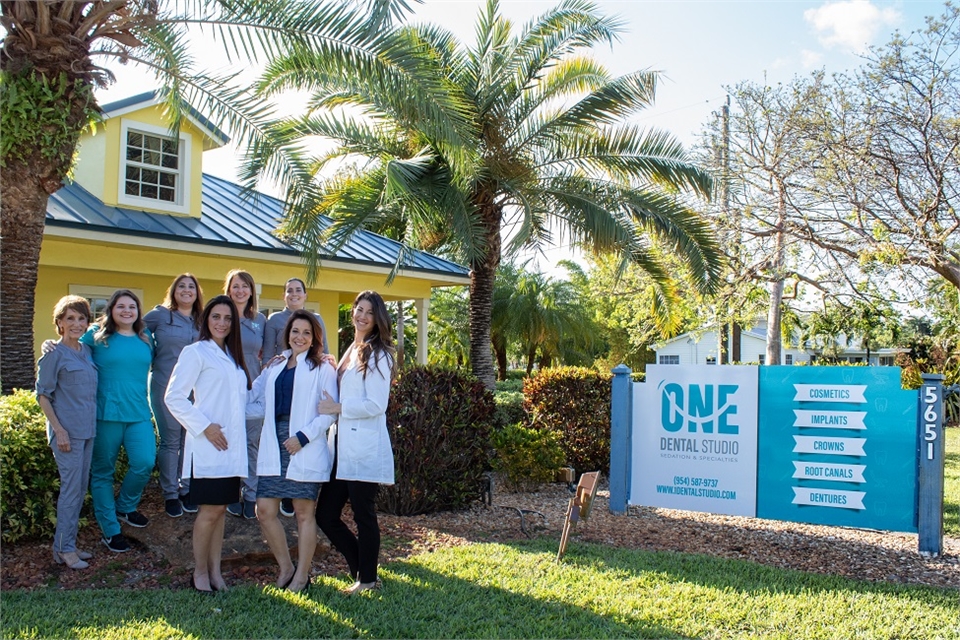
[(142, 100), (229, 219)]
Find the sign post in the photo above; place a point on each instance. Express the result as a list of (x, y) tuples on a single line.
[(931, 447), (621, 433)]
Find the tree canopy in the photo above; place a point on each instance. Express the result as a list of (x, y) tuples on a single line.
[(522, 138)]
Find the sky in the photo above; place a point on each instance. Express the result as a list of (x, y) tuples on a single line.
[(700, 48)]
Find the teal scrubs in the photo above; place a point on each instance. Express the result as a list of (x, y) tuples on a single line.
[(123, 419)]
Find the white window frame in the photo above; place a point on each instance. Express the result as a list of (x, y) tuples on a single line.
[(94, 292), (668, 359), (788, 359), (712, 360), (181, 203)]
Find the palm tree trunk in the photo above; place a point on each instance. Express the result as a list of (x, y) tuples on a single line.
[(24, 192), (482, 275), (500, 350)]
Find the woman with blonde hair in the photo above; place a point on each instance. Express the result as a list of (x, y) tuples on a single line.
[(242, 290), (67, 394)]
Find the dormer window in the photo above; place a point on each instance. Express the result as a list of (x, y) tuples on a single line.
[(153, 171)]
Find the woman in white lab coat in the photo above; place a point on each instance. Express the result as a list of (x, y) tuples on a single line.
[(215, 447), (363, 456), (293, 458)]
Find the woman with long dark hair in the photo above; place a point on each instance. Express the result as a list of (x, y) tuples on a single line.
[(215, 447), (293, 458), (123, 351), (363, 456), (175, 323)]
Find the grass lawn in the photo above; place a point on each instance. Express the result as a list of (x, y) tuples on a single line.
[(951, 484), (513, 591)]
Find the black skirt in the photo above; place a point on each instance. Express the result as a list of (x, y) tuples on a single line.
[(214, 491)]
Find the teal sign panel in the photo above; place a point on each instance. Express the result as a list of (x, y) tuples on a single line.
[(837, 446)]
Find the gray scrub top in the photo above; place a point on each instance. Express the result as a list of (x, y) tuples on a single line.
[(172, 331), (69, 379), (273, 334), (251, 336)]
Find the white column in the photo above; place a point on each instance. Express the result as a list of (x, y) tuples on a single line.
[(423, 310)]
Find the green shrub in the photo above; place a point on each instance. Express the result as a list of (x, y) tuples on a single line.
[(526, 457), (936, 359), (440, 422), (575, 403), (510, 384), (509, 408), (30, 480)]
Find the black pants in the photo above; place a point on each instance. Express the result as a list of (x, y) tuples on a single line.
[(362, 550)]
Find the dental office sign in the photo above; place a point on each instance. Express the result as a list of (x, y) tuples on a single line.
[(822, 445), (695, 439)]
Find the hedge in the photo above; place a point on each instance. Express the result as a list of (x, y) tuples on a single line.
[(440, 423), (575, 403)]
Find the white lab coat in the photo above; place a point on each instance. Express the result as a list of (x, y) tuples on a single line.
[(219, 390), (364, 452), (313, 462)]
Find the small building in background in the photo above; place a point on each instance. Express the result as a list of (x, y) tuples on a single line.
[(141, 211), (702, 347)]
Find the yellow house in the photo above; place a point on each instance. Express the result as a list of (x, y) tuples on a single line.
[(141, 211)]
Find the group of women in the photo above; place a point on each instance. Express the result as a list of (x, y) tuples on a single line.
[(232, 436)]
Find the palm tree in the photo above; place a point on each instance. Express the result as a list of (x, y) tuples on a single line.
[(51, 60), (524, 134)]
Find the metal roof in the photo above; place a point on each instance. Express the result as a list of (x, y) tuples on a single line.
[(229, 218)]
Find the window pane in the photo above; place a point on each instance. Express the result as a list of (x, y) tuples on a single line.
[(133, 173), (150, 176), (151, 157), (170, 162), (167, 195), (168, 179), (152, 143), (148, 191), (131, 188), (170, 147), (134, 139), (135, 154)]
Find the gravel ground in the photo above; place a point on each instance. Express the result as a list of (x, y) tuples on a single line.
[(861, 554)]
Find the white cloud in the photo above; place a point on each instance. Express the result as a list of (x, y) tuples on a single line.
[(850, 24), (810, 59)]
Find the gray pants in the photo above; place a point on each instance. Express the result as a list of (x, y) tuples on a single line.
[(254, 427), (74, 469), (170, 454)]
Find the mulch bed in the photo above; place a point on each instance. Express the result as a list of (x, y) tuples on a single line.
[(861, 554)]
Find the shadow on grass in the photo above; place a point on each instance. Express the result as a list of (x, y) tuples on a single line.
[(416, 602), (744, 576)]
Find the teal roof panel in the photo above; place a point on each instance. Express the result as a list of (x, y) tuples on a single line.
[(236, 219)]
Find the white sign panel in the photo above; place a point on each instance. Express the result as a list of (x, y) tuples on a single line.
[(695, 439), (829, 446), (828, 498)]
